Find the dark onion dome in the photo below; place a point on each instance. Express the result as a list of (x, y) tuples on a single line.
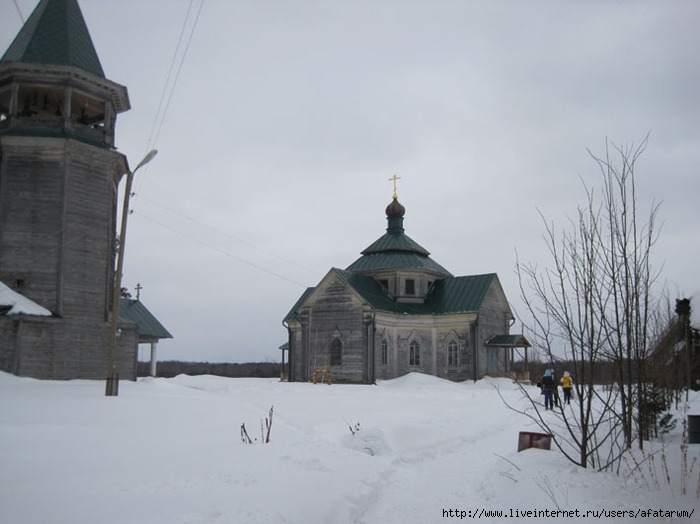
[(395, 209)]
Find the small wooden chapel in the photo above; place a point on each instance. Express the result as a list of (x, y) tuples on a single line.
[(394, 311)]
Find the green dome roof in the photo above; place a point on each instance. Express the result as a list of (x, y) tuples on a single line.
[(395, 249)]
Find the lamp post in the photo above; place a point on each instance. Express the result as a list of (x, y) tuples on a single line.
[(112, 386)]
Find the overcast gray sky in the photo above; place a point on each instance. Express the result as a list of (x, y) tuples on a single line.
[(288, 118)]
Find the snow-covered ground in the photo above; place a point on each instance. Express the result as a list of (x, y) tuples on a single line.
[(169, 451)]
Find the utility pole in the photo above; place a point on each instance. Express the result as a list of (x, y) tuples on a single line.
[(112, 385)]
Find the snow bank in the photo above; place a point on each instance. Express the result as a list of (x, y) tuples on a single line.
[(169, 451)]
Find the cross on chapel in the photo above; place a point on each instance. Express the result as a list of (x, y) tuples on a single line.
[(394, 179)]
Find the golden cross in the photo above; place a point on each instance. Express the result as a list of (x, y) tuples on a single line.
[(394, 178), (138, 288)]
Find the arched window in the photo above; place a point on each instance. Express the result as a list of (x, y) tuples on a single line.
[(452, 354), (414, 354), (385, 351), (336, 352)]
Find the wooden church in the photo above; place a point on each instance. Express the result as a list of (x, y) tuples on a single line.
[(394, 311), (59, 173)]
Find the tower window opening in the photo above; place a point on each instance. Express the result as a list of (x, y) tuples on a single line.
[(410, 286)]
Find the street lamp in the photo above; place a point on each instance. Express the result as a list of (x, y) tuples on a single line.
[(112, 386)]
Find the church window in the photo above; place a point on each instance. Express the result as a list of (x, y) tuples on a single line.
[(410, 286), (385, 356), (452, 353), (5, 96), (336, 352), (414, 354), (385, 284)]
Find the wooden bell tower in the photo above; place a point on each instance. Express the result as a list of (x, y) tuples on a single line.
[(59, 173)]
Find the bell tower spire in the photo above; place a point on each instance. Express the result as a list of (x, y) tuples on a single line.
[(52, 80), (55, 33)]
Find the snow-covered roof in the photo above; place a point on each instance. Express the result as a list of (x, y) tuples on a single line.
[(18, 304)]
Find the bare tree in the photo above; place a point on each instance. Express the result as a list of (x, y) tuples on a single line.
[(628, 309), (594, 304)]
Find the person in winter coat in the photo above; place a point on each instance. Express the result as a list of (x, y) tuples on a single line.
[(548, 388), (566, 383)]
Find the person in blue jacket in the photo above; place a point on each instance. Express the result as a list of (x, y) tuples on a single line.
[(549, 389)]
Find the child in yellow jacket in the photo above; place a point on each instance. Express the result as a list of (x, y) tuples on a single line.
[(566, 383)]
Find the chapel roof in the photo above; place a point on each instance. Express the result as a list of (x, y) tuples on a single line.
[(55, 34), (454, 295), (395, 249), (134, 312), (508, 341)]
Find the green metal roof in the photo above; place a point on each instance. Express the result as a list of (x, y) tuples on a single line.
[(396, 250), (372, 292), (449, 296), (508, 341), (292, 315), (134, 312), (396, 260), (55, 34), (396, 240), (459, 294)]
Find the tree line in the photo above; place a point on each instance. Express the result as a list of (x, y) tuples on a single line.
[(172, 368)]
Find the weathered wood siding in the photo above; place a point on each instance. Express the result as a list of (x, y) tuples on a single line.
[(57, 218), (31, 218), (494, 319), (57, 238), (89, 232), (55, 348), (8, 343), (335, 313)]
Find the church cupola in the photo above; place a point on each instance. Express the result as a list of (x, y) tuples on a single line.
[(401, 265), (394, 216)]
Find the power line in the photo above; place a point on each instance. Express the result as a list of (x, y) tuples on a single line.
[(167, 79), (222, 251), (158, 122), (179, 69), (19, 11), (159, 118), (181, 214)]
